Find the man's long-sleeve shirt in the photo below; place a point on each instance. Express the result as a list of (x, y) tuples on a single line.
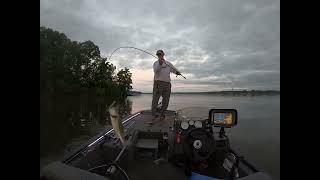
[(162, 72)]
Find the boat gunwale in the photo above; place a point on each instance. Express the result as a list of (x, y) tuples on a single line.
[(94, 140)]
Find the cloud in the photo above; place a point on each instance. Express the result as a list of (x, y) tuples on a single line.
[(212, 42)]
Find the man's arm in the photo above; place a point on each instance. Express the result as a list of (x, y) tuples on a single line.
[(156, 67), (173, 69)]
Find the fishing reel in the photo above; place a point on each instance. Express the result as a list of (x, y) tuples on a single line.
[(114, 171)]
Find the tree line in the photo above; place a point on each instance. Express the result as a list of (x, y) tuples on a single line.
[(75, 80), (77, 67)]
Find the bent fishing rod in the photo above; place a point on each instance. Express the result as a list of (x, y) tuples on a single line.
[(130, 47)]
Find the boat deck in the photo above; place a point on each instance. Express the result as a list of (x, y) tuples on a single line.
[(144, 167), (140, 122)]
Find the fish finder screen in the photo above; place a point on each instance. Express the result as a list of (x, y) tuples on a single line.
[(222, 118)]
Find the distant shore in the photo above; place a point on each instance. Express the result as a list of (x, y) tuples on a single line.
[(243, 92)]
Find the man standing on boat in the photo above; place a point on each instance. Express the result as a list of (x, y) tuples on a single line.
[(161, 84)]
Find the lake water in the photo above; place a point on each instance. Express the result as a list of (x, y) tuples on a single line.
[(257, 135)]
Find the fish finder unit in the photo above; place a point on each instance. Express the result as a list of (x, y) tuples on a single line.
[(223, 118)]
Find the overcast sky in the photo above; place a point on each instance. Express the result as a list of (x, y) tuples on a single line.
[(216, 44)]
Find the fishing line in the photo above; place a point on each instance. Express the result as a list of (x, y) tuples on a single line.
[(130, 47)]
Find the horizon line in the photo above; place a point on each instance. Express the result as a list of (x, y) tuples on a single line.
[(212, 91)]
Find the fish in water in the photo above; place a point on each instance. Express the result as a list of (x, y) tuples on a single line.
[(116, 121)]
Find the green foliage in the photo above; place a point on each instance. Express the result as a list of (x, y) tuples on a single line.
[(74, 80), (77, 67), (124, 80)]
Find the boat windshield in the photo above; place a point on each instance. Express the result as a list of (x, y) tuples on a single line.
[(193, 113)]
